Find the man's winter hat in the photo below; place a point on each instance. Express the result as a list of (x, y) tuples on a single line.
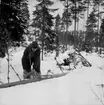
[(34, 44)]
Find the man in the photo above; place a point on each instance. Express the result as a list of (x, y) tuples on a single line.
[(31, 59)]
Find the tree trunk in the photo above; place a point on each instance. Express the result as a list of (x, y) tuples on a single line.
[(43, 34), (67, 26), (88, 4), (78, 24), (57, 44), (98, 28), (0, 9), (84, 22), (8, 59), (75, 26)]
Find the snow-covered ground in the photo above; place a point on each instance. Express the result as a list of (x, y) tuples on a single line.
[(78, 87)]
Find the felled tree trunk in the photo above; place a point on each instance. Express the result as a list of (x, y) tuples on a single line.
[(87, 63)]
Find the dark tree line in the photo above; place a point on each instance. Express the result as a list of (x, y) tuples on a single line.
[(50, 30), (93, 35), (14, 16)]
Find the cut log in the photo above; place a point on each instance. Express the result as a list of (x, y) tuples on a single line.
[(43, 77), (85, 59)]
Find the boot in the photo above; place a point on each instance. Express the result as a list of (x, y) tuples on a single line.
[(25, 73)]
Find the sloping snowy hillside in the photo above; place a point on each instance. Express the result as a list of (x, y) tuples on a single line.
[(78, 87)]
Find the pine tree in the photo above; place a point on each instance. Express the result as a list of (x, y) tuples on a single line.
[(12, 22), (91, 25), (43, 20), (25, 14), (91, 22), (102, 26), (102, 33), (88, 3), (13, 16), (74, 9), (91, 28), (57, 30), (67, 20), (77, 9), (97, 4)]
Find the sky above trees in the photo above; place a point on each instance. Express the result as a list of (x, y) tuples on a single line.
[(59, 5)]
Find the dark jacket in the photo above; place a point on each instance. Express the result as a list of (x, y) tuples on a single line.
[(31, 58)]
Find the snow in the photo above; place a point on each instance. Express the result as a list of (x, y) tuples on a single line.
[(78, 87), (94, 58), (65, 55)]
